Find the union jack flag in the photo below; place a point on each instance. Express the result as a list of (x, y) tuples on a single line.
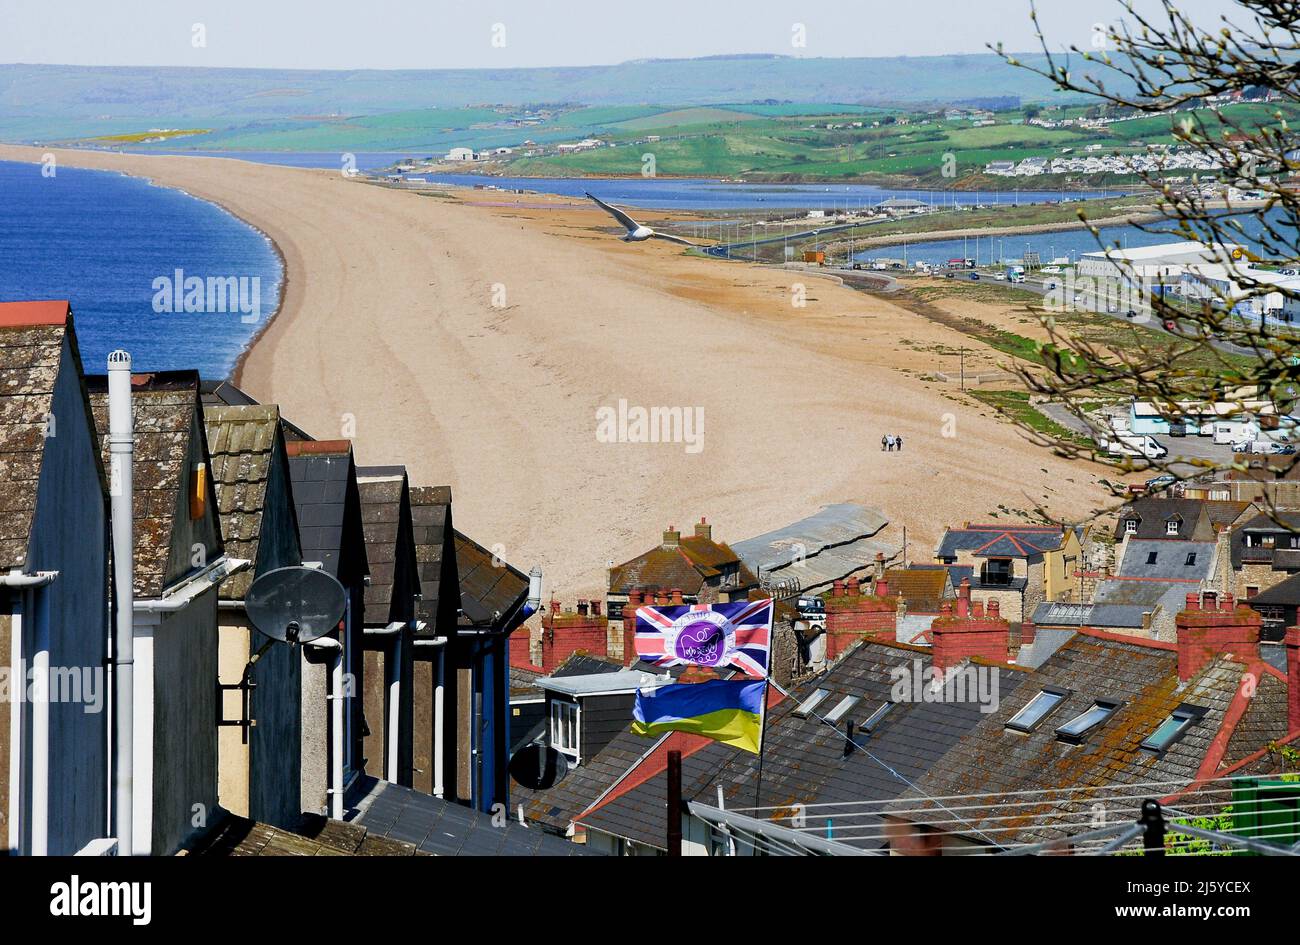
[(734, 634)]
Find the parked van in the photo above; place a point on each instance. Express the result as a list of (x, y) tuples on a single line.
[(1133, 445), (1235, 431)]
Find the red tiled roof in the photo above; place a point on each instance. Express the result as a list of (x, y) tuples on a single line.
[(27, 314)]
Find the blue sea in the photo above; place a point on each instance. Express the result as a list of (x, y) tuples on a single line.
[(101, 239)]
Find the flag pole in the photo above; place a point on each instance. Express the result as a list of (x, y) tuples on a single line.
[(762, 715)]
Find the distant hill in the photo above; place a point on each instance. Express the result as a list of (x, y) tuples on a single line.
[(48, 102)]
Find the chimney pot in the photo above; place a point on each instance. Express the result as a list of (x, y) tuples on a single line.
[(1227, 603), (882, 587), (977, 609), (595, 608), (677, 596), (851, 587), (582, 607), (838, 588), (995, 610)]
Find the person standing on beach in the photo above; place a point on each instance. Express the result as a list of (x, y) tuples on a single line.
[(884, 442), (898, 441)]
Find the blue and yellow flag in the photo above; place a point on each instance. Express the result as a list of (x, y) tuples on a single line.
[(725, 710)]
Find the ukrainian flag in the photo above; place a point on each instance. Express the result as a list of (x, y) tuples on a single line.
[(725, 710)]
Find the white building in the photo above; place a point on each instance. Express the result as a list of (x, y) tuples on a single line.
[(1242, 290), (1164, 262), (460, 154)]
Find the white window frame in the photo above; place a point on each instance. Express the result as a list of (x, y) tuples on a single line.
[(1130, 526), (1171, 527), (563, 710)]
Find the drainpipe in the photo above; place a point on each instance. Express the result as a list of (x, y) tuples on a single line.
[(121, 445), (393, 680), (336, 701), (534, 601), (438, 694), (24, 586)]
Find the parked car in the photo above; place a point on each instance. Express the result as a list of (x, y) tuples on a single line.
[(1160, 482)]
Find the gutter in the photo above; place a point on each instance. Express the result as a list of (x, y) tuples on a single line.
[(181, 597), (19, 580), (393, 680)]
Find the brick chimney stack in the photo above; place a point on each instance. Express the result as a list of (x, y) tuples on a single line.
[(1209, 626), (521, 648), (564, 634), (635, 599), (703, 529), (852, 616), (1293, 679), (672, 537), (959, 634)]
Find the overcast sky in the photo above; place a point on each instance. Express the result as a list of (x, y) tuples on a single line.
[(434, 34)]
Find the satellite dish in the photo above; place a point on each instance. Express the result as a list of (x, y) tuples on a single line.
[(295, 604), (537, 767)]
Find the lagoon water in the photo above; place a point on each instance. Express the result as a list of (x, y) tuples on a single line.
[(687, 193), (100, 239)]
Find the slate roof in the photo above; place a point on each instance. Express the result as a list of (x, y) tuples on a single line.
[(441, 828), (556, 807), (164, 408), (805, 758), (391, 820), (31, 344), (992, 760), (226, 394), (583, 664), (1171, 556), (382, 490), (1200, 518), (430, 520), (242, 444), (1002, 541), (1283, 594), (321, 472), (489, 586)]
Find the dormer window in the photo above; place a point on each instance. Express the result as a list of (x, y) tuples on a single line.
[(1130, 526), (1171, 527), (565, 729)]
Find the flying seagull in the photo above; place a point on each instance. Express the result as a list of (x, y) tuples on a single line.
[(637, 231)]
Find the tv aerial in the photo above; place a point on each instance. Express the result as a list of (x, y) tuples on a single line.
[(295, 604)]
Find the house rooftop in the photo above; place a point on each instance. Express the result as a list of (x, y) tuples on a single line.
[(1003, 541), (489, 587), (603, 683), (1139, 680), (164, 407), (31, 344), (242, 441)]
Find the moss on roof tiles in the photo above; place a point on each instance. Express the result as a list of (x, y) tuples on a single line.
[(29, 359)]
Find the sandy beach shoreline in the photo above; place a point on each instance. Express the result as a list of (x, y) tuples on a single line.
[(475, 344)]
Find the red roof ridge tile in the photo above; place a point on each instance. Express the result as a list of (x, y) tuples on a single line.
[(28, 314)]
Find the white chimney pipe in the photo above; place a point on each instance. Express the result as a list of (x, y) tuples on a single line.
[(121, 446)]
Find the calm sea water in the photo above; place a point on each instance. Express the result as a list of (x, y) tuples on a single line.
[(100, 240)]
